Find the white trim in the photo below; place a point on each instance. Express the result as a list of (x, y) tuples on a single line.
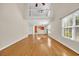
[(68, 37), (13, 42), (63, 43), (77, 26)]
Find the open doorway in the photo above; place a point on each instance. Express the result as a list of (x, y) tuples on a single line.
[(40, 29)]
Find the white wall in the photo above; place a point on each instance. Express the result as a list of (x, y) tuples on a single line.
[(61, 10), (12, 25)]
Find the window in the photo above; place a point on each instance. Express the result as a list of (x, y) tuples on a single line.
[(70, 26)]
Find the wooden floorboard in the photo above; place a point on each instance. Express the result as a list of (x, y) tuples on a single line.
[(38, 45)]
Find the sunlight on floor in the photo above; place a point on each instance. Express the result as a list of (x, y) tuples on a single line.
[(64, 54), (38, 38), (49, 42)]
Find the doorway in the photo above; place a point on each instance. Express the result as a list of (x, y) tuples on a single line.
[(40, 29)]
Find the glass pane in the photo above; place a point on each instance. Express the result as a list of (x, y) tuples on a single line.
[(77, 34), (68, 21), (65, 32), (77, 20), (68, 32), (64, 22)]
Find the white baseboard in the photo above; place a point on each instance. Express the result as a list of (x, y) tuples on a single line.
[(64, 44), (20, 38)]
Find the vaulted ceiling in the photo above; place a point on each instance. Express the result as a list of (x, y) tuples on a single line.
[(39, 9), (35, 10), (57, 10)]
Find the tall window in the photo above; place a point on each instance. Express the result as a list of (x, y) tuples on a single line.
[(70, 26)]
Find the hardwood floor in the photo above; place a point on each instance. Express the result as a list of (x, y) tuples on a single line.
[(39, 45)]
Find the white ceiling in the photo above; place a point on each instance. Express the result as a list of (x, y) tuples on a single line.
[(40, 10), (40, 6), (29, 11)]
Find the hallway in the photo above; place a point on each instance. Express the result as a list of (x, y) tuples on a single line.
[(24, 28), (37, 45)]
